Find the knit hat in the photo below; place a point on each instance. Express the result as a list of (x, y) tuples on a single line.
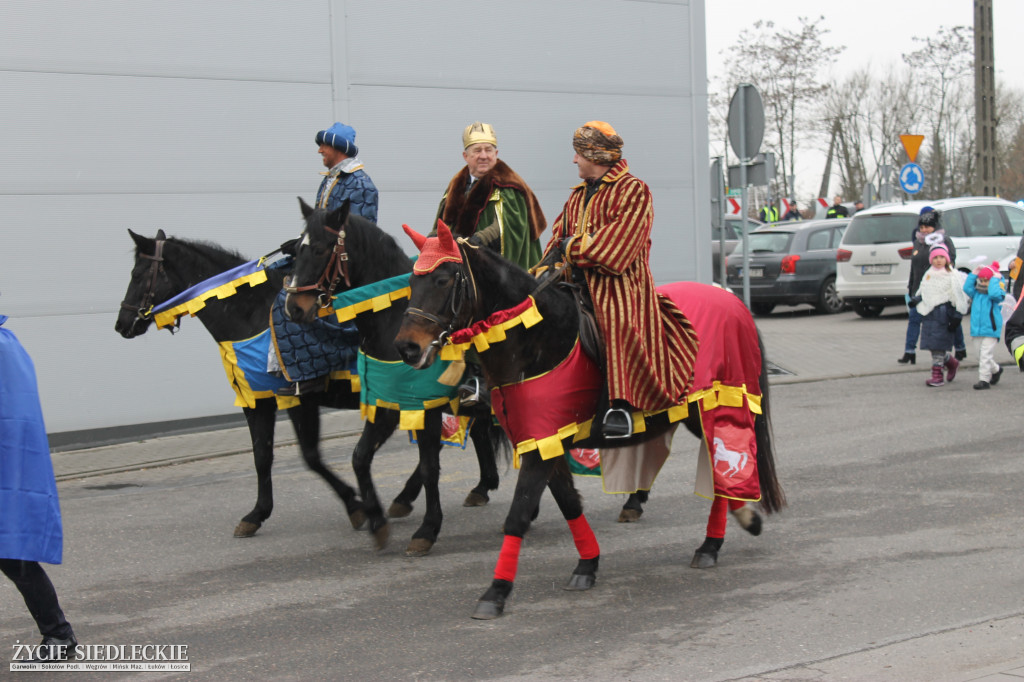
[(341, 137), (929, 217), (597, 142), (989, 271), (478, 132), (938, 250)]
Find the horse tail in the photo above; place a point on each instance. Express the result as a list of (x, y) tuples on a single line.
[(500, 443), (773, 498)]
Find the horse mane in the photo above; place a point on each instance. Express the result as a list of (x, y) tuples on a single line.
[(205, 257), (513, 284)]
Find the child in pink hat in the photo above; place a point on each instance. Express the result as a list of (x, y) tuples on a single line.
[(985, 288), (943, 304)]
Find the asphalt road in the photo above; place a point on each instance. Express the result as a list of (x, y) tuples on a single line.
[(899, 558)]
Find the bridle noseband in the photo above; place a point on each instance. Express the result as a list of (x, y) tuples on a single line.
[(334, 273), (144, 311)]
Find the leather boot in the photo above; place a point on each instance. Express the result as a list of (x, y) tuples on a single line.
[(951, 366), (908, 358), (936, 379)]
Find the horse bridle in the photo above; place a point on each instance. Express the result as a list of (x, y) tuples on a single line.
[(144, 311), (463, 290), (333, 274)]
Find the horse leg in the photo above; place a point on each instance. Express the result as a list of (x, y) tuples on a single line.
[(747, 517), (430, 470), (305, 418), (375, 434), (261, 420), (534, 473), (634, 507), (706, 555), (571, 505), (480, 433), (401, 506)]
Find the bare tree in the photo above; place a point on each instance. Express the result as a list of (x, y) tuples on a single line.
[(786, 67)]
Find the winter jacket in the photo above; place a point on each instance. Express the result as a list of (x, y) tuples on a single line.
[(942, 296), (986, 315), (919, 262), (348, 180), (30, 524)]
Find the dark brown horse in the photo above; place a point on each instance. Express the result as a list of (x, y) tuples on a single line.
[(475, 285), (338, 252)]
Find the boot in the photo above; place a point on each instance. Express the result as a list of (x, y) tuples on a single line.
[(908, 358), (996, 377), (936, 379), (961, 355), (981, 386), (951, 366)]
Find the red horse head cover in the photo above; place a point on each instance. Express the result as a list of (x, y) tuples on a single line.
[(434, 250)]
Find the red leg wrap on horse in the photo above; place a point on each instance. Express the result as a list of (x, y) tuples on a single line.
[(717, 518), (508, 560), (736, 504), (583, 536)]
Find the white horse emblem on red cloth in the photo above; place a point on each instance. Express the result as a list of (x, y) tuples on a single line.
[(735, 460)]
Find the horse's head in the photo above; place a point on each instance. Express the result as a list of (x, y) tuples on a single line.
[(439, 302), (321, 262), (148, 286)]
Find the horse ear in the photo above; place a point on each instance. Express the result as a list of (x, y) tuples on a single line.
[(418, 239), (306, 209), (338, 216), (444, 236), (160, 235)]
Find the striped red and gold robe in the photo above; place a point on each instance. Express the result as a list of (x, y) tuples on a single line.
[(650, 346)]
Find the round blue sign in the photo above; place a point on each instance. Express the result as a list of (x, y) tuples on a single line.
[(911, 178)]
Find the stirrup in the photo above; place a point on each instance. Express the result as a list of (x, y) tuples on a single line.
[(617, 423), (472, 393)]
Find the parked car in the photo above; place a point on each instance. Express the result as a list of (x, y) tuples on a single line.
[(733, 229), (874, 255), (791, 263)]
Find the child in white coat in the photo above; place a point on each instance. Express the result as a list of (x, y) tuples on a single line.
[(943, 304)]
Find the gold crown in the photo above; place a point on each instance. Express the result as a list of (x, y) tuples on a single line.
[(478, 132)]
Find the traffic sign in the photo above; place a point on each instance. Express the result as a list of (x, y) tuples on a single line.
[(732, 206), (911, 144), (911, 178), (746, 121)]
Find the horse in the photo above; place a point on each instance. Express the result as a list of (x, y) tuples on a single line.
[(339, 251), (165, 267), (530, 328)]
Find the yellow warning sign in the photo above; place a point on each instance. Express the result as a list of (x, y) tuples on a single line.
[(912, 143)]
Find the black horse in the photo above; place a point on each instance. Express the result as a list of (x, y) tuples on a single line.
[(166, 267), (473, 285), (338, 252)]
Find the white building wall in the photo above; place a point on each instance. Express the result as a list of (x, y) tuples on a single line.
[(198, 117)]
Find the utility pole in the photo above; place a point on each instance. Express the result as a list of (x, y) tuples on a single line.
[(823, 190), (986, 166)]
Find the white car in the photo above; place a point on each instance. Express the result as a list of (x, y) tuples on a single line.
[(873, 259)]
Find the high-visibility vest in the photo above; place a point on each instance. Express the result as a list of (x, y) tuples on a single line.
[(769, 214)]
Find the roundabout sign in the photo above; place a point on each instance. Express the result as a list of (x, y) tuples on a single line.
[(911, 178)]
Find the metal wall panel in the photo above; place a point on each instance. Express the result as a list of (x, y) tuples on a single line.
[(198, 117)]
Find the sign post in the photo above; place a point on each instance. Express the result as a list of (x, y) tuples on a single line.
[(718, 212), (746, 131)]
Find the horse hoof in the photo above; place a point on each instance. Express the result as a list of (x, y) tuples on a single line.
[(580, 582), (474, 499), (704, 559), (357, 519), (629, 515), (246, 529), (488, 610), (380, 536), (419, 547), (748, 519), (399, 510)]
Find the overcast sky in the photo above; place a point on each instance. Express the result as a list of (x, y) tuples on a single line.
[(875, 33)]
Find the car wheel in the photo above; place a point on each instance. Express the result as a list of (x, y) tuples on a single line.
[(828, 299), (867, 309), (762, 308)]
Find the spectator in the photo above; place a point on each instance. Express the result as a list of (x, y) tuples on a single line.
[(793, 213), (984, 287), (346, 178), (858, 206), (30, 523), (928, 225), (769, 214), (942, 305), (837, 210)]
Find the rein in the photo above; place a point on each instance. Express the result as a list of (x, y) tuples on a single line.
[(333, 274), (144, 311)]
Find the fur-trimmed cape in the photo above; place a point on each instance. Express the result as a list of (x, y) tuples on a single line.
[(462, 211)]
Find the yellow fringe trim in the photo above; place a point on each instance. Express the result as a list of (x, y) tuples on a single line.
[(168, 317), (495, 334), (375, 304), (408, 420)]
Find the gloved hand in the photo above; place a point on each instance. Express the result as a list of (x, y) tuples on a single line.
[(289, 247), (563, 244), (914, 300)]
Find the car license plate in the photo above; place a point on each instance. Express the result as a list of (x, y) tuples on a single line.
[(757, 272), (876, 269)]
